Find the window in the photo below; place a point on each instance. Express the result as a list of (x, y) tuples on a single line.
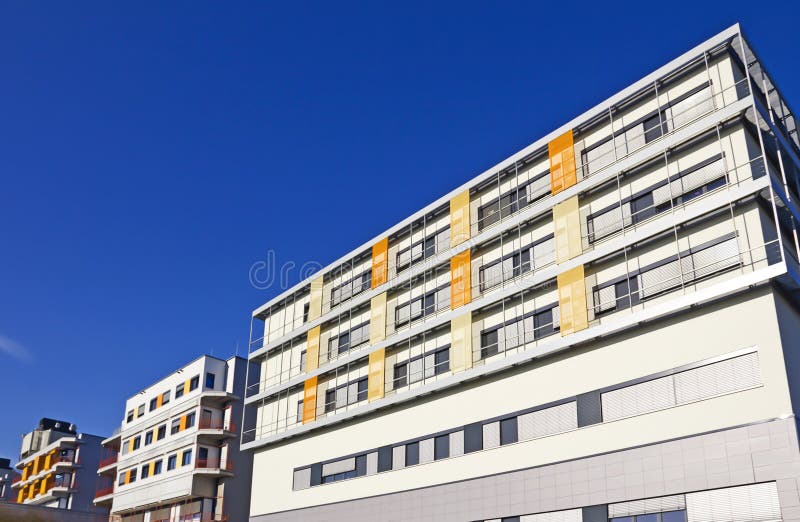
[(186, 458), (666, 516), (412, 454), (514, 200), (303, 361), (137, 442), (175, 427), (616, 295), (133, 476), (538, 254), (346, 394), (423, 249), (339, 344), (519, 331), (140, 410), (210, 377), (153, 404), (423, 305), (148, 438), (165, 398), (122, 478), (299, 411), (179, 391), (339, 476), (654, 127), (130, 416), (427, 365), (351, 287), (194, 382), (162, 432), (157, 467), (171, 462), (145, 471), (306, 308), (190, 419)]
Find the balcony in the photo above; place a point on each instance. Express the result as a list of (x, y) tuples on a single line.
[(227, 427), (103, 491), (214, 466), (108, 460)]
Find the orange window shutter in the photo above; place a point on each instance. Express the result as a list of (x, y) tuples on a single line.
[(310, 400), (562, 162), (380, 262), (128, 477), (460, 280), (375, 377), (183, 422), (160, 401)]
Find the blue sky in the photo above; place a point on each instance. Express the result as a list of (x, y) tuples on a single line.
[(152, 152)]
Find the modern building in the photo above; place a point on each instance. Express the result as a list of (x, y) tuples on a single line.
[(8, 476), (58, 467), (176, 455), (603, 326)]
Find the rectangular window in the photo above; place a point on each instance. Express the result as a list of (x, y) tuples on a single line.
[(153, 404), (190, 419), (299, 412), (133, 476), (186, 458), (137, 442), (514, 200), (527, 258), (122, 478), (424, 305), (351, 287), (171, 462), (148, 438), (348, 340), (412, 454), (210, 377), (346, 394), (303, 357), (441, 447), (400, 375), (194, 382), (165, 399), (140, 410), (157, 467), (130, 416), (423, 249), (517, 332), (654, 127), (145, 471), (306, 308), (422, 366), (179, 391), (162, 432), (175, 427)]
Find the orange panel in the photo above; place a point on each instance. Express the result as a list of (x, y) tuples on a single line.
[(562, 162), (183, 422), (310, 400), (460, 280), (380, 262), (160, 401)]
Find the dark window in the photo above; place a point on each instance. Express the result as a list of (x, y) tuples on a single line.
[(202, 454), (194, 382), (157, 467), (339, 476), (422, 366), (673, 516), (148, 438), (171, 462), (508, 431), (137, 442), (299, 411), (145, 471), (441, 447), (210, 377), (400, 375), (351, 287), (513, 200), (162, 432), (130, 416), (516, 332), (306, 307), (348, 340), (423, 305), (176, 426), (345, 394), (186, 458), (122, 478), (190, 419), (654, 127), (179, 391), (133, 475), (165, 398), (489, 343), (423, 249), (412, 454), (140, 410), (330, 401), (153, 404)]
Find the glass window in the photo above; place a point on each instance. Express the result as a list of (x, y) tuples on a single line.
[(649, 517), (186, 458), (137, 442), (162, 432), (673, 516), (175, 427), (122, 478), (145, 471), (400, 375), (190, 419), (299, 411), (330, 400), (130, 416), (194, 382), (133, 476), (171, 462), (165, 399), (210, 380), (153, 404), (179, 391), (140, 410), (148, 438), (157, 467)]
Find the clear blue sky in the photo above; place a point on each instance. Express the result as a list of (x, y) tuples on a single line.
[(151, 152)]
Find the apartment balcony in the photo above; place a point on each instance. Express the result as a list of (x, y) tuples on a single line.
[(104, 492), (214, 467), (216, 428), (108, 464)]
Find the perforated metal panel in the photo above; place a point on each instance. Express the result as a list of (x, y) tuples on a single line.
[(754, 503), (718, 378), (426, 451), (648, 505), (691, 108), (491, 435), (372, 463), (549, 421), (339, 466), (302, 479), (457, 444), (398, 457)]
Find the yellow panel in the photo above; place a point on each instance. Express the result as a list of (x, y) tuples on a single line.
[(572, 301), (461, 342), (130, 445), (160, 401), (312, 349), (567, 224), (25, 472), (310, 400), (377, 319), (315, 299), (152, 468), (459, 219), (377, 363), (187, 386), (562, 163), (42, 486), (128, 477), (48, 460), (460, 280), (21, 496), (35, 465), (380, 262), (183, 423)]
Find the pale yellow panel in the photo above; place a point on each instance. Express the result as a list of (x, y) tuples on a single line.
[(461, 342), (375, 385), (567, 224), (459, 219), (377, 319), (312, 349), (315, 300), (572, 301)]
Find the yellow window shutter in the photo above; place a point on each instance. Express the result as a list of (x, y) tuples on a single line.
[(459, 218), (312, 349), (375, 377), (572, 301)]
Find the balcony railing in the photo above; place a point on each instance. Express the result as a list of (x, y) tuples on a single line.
[(103, 491), (69, 459), (216, 424), (108, 460), (225, 465)]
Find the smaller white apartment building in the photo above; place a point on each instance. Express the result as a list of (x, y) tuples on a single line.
[(176, 454)]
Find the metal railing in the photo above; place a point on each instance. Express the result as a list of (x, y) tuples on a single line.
[(108, 460), (216, 424), (222, 465)]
